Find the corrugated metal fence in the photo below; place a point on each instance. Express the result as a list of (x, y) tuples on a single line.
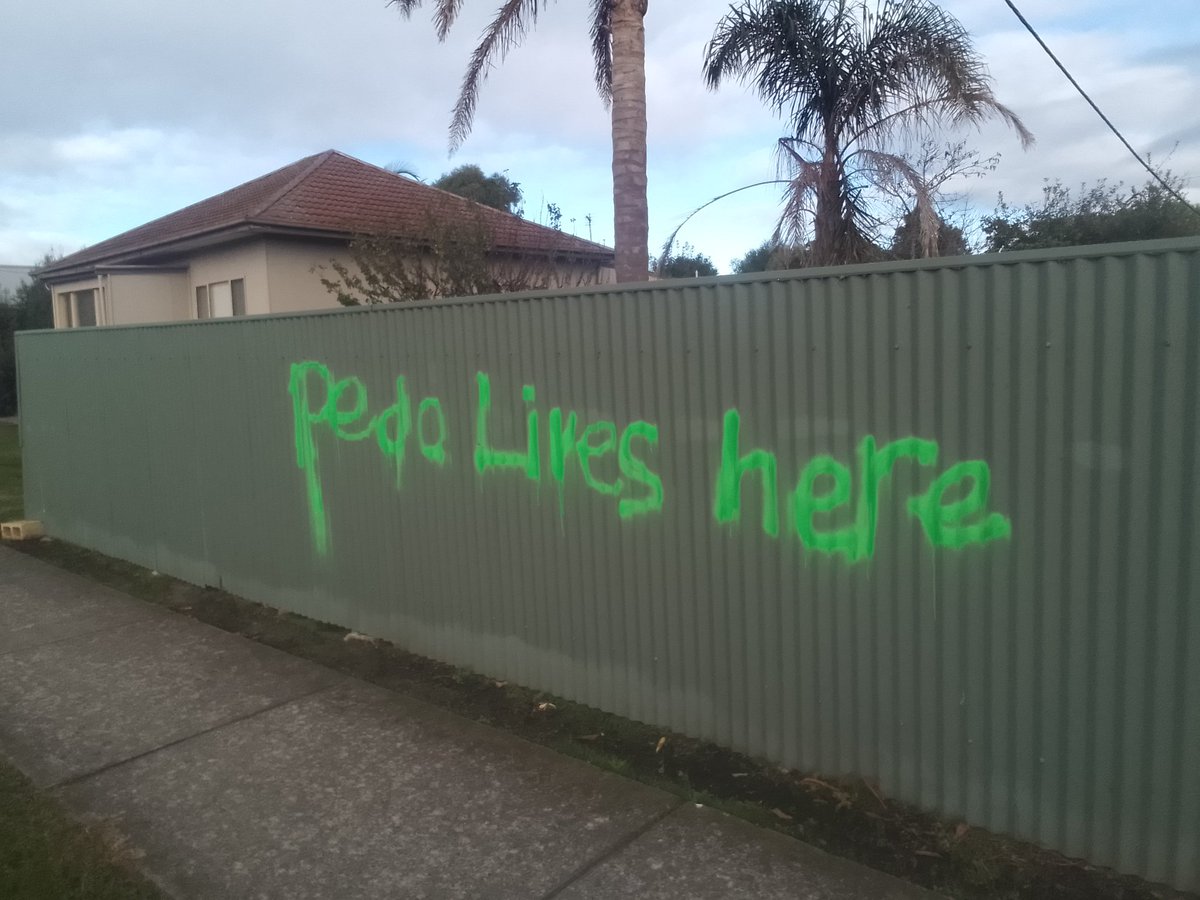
[(931, 525)]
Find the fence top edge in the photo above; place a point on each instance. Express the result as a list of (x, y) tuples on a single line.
[(824, 273)]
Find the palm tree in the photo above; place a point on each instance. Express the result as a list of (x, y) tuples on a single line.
[(852, 79), (619, 53)]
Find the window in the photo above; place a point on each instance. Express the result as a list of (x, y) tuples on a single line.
[(221, 299), (85, 308), (77, 309)]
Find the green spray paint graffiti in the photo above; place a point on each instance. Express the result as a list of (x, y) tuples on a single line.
[(392, 429), (635, 476), (321, 401), (613, 463), (826, 485)]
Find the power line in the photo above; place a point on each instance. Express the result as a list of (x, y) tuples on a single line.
[(1113, 128)]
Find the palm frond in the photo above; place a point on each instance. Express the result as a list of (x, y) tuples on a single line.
[(803, 178), (889, 166), (512, 22), (406, 7), (602, 11), (444, 15), (447, 11), (781, 47)]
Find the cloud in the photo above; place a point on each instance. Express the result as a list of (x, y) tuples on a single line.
[(1145, 98), (125, 112)]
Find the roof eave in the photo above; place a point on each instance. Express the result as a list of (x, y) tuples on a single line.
[(224, 234), (202, 240)]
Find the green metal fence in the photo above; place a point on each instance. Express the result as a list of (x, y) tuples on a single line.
[(932, 524)]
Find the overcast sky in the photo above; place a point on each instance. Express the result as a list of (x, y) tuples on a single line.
[(114, 113)]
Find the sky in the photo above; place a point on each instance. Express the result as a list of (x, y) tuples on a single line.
[(115, 113)]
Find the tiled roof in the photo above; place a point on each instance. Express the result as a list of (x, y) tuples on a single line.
[(334, 193)]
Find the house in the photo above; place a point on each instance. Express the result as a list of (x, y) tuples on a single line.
[(255, 248)]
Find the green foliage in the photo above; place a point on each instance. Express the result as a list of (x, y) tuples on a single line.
[(493, 190), (26, 309), (771, 256), (456, 258), (908, 241), (688, 263), (451, 262), (1100, 214), (756, 260)]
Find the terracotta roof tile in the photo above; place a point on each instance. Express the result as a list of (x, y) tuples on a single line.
[(328, 192)]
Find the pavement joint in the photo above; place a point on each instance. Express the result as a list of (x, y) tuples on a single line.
[(612, 852), (232, 720)]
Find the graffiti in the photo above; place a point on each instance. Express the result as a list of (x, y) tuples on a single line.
[(614, 463), (597, 441), (392, 429), (827, 485), (321, 401), (946, 524), (488, 458), (434, 451), (728, 506), (636, 470)]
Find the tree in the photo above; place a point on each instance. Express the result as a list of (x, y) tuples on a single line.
[(772, 256), (940, 227), (911, 240), (493, 190), (457, 257), (26, 309), (619, 55), (851, 77), (686, 264), (1099, 214), (756, 260)]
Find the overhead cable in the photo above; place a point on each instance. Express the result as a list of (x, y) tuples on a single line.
[(1113, 128)]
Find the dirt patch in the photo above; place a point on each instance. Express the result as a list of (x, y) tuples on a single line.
[(852, 819)]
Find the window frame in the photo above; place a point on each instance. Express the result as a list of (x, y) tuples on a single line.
[(202, 299)]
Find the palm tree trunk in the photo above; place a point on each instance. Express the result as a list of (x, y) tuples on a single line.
[(630, 210), (827, 224)]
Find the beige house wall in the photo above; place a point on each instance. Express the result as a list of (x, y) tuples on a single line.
[(247, 261), (134, 298), (295, 282), (279, 275)]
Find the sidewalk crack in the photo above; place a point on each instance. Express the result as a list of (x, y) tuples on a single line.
[(611, 852), (225, 723)]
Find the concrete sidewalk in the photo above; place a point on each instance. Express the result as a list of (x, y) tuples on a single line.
[(241, 771)]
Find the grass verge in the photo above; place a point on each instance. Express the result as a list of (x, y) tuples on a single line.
[(44, 855), (850, 818), (10, 473)]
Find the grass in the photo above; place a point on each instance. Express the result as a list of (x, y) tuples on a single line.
[(11, 500), (848, 818), (44, 855)]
